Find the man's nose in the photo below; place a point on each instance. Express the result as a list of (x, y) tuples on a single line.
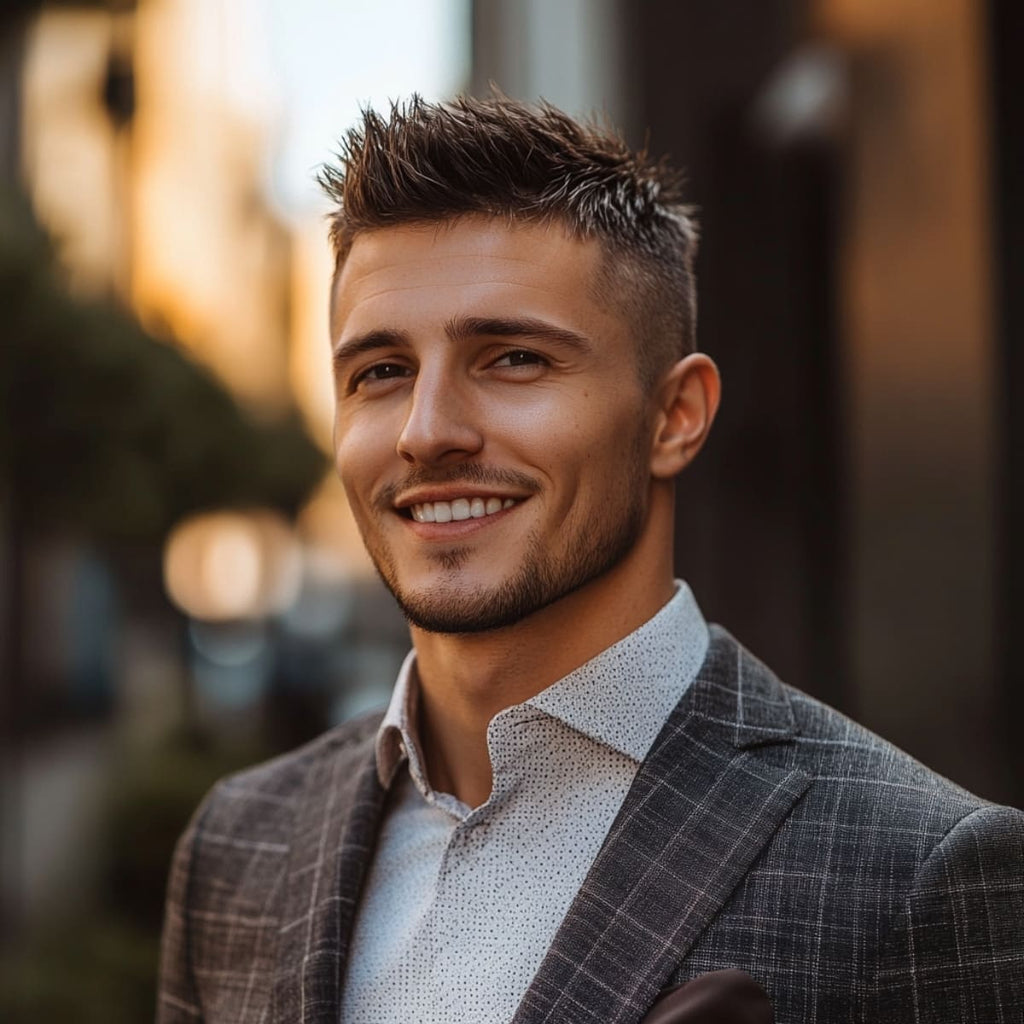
[(441, 425)]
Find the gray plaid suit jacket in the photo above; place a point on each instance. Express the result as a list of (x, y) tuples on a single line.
[(764, 831)]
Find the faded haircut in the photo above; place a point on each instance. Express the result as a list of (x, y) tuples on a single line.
[(435, 162)]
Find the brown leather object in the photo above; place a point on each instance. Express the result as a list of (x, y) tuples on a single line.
[(719, 997)]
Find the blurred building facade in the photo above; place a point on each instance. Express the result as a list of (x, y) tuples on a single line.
[(176, 223)]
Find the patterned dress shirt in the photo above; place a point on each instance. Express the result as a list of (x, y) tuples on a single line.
[(461, 904)]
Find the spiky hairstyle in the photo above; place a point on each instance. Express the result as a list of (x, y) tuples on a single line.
[(428, 162)]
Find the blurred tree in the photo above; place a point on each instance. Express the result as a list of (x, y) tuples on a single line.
[(111, 433)]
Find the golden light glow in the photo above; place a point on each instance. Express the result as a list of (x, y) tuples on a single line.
[(232, 565), (211, 259), (310, 360), (69, 153)]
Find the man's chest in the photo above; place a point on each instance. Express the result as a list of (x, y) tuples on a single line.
[(458, 914)]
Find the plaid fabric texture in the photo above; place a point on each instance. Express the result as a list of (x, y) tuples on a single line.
[(764, 831)]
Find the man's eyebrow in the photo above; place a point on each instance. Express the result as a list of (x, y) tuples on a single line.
[(369, 342), (460, 328)]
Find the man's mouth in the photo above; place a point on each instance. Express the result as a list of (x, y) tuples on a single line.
[(458, 509)]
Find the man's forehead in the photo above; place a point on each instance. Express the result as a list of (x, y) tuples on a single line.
[(467, 253), (471, 237)]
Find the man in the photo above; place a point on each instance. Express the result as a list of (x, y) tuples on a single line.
[(581, 794)]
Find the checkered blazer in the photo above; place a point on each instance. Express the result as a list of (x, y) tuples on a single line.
[(764, 831)]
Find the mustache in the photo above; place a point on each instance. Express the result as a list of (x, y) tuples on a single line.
[(470, 473)]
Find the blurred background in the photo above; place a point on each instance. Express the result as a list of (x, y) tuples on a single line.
[(182, 590)]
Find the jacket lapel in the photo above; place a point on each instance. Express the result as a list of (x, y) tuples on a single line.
[(700, 810), (335, 833)]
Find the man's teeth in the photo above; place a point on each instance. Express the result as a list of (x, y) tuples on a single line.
[(460, 508)]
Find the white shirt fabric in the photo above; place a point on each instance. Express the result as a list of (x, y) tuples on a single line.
[(461, 904)]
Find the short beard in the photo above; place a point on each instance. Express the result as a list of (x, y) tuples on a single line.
[(539, 582)]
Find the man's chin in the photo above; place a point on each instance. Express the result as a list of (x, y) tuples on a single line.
[(460, 610), (458, 602), (459, 617)]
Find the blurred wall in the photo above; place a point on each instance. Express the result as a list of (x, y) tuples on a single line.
[(570, 53), (921, 376), (1005, 30)]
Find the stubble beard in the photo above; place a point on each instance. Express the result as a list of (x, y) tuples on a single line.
[(592, 549)]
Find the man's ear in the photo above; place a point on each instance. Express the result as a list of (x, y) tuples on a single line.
[(687, 400)]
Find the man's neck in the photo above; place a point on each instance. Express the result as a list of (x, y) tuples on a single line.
[(466, 679)]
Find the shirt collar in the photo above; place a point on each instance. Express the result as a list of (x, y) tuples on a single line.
[(620, 698), (623, 696), (397, 734)]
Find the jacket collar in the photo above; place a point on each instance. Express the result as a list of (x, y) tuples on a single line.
[(334, 834), (699, 812)]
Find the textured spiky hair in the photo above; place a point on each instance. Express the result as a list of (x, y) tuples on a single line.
[(434, 162)]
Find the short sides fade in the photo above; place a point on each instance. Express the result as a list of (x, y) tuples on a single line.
[(434, 162)]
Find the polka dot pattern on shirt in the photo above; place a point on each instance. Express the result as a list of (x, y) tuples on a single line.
[(461, 904)]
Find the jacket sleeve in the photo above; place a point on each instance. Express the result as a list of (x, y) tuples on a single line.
[(177, 995), (956, 952)]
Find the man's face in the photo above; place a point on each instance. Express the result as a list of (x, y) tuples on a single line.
[(490, 431)]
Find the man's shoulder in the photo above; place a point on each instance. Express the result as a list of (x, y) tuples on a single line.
[(281, 774), (865, 777), (269, 793), (854, 773), (886, 879), (231, 892)]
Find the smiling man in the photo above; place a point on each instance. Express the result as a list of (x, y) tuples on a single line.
[(581, 794)]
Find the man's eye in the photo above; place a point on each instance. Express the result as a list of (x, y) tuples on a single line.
[(380, 371), (520, 357)]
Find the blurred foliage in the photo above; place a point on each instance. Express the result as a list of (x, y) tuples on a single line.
[(98, 965), (112, 432), (96, 970)]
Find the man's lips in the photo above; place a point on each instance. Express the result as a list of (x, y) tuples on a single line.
[(446, 519), (460, 494), (459, 509)]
